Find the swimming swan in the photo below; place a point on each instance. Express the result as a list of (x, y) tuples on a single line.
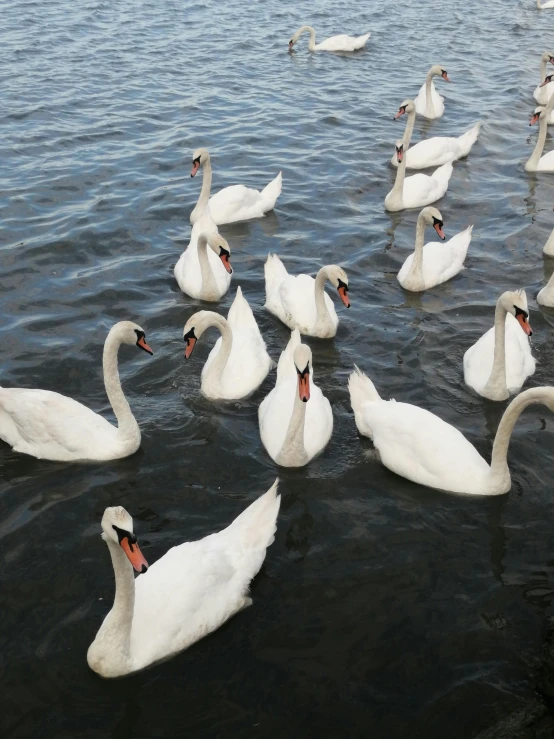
[(335, 43), (428, 102), (188, 593), (202, 273)]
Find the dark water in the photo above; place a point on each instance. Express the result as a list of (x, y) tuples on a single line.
[(384, 609)]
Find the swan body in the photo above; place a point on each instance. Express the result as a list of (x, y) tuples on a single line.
[(543, 92), (204, 270), (295, 419), (433, 263), (48, 425), (428, 102), (421, 447), (435, 151), (234, 203), (334, 43), (539, 162), (188, 593), (300, 301), (498, 364), (239, 362)]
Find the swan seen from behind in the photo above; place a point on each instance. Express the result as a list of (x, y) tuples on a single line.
[(188, 593), (334, 43), (428, 102)]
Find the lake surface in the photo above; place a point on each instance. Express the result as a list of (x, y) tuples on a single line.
[(383, 609)]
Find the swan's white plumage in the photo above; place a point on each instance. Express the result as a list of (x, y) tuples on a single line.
[(422, 189), (240, 203), (441, 261), (421, 101), (343, 42), (439, 150), (187, 271)]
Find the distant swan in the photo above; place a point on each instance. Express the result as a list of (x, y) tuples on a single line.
[(188, 593), (428, 102), (335, 43)]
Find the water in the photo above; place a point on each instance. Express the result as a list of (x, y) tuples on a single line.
[(384, 609)]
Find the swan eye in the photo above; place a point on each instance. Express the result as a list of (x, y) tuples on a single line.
[(305, 371), (122, 534), (520, 312), (189, 335), (196, 161), (343, 285)]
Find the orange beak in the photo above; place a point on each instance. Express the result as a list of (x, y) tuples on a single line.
[(524, 323), (535, 117), (343, 296), (438, 229), (195, 168), (401, 111), (304, 386), (191, 342), (224, 256), (143, 345), (134, 555), (445, 76)]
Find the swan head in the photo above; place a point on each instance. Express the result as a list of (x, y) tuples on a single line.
[(408, 106), (399, 146), (547, 80), (294, 38), (433, 217), (199, 159), (117, 528), (515, 302), (547, 57), (195, 327), (131, 333), (339, 279), (302, 358), (219, 246), (437, 70), (537, 113)]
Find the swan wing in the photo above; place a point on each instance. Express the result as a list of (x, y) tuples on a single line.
[(297, 296), (546, 162), (343, 42), (240, 203), (318, 425), (520, 363), (420, 189)]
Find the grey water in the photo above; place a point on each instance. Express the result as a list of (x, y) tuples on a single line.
[(384, 609)]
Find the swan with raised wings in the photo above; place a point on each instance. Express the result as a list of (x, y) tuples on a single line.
[(204, 268), (295, 419), (437, 150), (188, 593), (233, 203), (433, 263), (334, 43), (498, 364), (539, 162), (428, 102), (300, 301), (421, 447), (239, 362), (48, 425)]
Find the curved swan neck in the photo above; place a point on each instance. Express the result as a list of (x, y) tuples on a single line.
[(543, 63), (322, 312), (208, 290), (429, 104), (293, 452), (204, 196), (126, 423), (409, 128), (497, 380), (218, 365), (311, 42), (416, 271)]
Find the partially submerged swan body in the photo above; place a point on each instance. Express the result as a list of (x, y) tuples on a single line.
[(334, 43), (49, 425), (428, 102), (421, 447), (188, 593)]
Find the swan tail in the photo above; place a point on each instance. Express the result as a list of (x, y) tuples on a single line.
[(255, 527), (362, 391), (363, 39), (468, 138), (240, 311), (271, 192), (444, 173), (275, 273)]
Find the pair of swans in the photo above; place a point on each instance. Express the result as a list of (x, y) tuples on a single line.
[(188, 593), (234, 203), (428, 102), (300, 301), (421, 447), (418, 189), (539, 162), (498, 364), (204, 268), (239, 362), (433, 263), (334, 43), (48, 425), (435, 151), (295, 419)]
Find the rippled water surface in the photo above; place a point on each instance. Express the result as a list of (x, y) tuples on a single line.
[(383, 609)]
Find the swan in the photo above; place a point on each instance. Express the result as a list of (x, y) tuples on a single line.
[(300, 301), (420, 446), (543, 92), (234, 203), (188, 593), (418, 189), (544, 6), (335, 43), (295, 419), (428, 102), (201, 273), (498, 364), (49, 425), (539, 162), (239, 362), (433, 263), (434, 151)]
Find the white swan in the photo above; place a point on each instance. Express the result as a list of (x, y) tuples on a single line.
[(543, 92), (434, 151), (239, 362), (300, 301), (428, 102), (422, 447), (544, 6), (498, 364), (418, 189), (539, 162), (295, 419), (48, 425), (546, 295), (188, 593), (433, 263), (233, 203), (202, 273), (335, 43)]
